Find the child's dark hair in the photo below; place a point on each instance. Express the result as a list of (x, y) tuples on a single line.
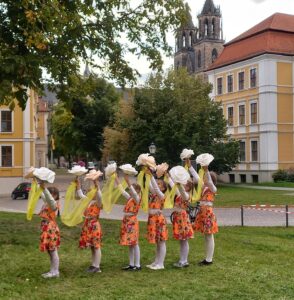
[(213, 177), (163, 184), (190, 185), (137, 187), (54, 191)]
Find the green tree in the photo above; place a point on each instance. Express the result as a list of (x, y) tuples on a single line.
[(174, 111), (53, 36), (79, 130)]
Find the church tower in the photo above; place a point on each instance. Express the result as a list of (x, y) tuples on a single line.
[(210, 39), (197, 48), (185, 39)]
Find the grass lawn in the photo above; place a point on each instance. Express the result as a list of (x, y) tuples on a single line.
[(250, 263), (228, 196)]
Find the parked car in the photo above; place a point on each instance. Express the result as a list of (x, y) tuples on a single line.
[(91, 165), (21, 191)]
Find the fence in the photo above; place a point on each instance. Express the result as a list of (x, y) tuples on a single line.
[(269, 208)]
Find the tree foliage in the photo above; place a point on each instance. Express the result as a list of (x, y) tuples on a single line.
[(175, 112), (53, 36), (79, 130)]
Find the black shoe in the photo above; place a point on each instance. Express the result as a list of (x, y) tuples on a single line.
[(137, 269), (205, 263), (128, 268), (90, 269)]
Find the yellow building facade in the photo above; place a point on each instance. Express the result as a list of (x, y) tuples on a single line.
[(254, 81), (18, 142)]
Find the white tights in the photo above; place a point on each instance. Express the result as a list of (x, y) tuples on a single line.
[(209, 247), (160, 253), (134, 255), (54, 261), (96, 257), (184, 251)]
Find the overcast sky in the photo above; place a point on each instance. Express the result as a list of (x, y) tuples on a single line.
[(238, 16)]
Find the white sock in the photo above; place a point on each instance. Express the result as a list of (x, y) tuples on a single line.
[(162, 252), (96, 257), (184, 251), (137, 255), (131, 255), (54, 261), (209, 247)]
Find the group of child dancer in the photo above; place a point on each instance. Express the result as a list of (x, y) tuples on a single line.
[(157, 231)]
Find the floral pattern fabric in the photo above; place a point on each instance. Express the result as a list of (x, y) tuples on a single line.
[(182, 227), (129, 230), (50, 234), (156, 225), (205, 221), (91, 235)]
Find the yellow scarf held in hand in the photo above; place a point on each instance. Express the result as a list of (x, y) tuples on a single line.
[(196, 195), (74, 208), (170, 197), (145, 192), (34, 196)]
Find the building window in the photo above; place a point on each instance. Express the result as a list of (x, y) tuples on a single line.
[(253, 113), (242, 151), (6, 121), (214, 55), (255, 178), (191, 39), (199, 59), (230, 116), (232, 178), (254, 151), (184, 40), (219, 85), (241, 81), (230, 83), (253, 78), (242, 114), (243, 178), (6, 156)]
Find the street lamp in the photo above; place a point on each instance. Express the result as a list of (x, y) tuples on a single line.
[(152, 148)]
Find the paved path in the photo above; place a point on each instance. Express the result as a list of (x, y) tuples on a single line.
[(259, 187), (225, 216)]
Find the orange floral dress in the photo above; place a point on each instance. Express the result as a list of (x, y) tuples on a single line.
[(91, 234), (182, 227), (206, 220), (129, 230), (156, 225), (50, 234)]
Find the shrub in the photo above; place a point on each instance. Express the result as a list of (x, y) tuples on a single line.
[(280, 175), (290, 175)]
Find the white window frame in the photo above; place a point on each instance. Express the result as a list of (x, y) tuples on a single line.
[(229, 106), (243, 161), (257, 119), (12, 121), (254, 140), (230, 74), (222, 85), (240, 104), (241, 71), (252, 68), (12, 153)]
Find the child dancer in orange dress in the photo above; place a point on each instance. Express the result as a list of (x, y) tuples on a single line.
[(182, 228), (129, 233), (50, 234), (91, 234), (205, 220), (157, 232)]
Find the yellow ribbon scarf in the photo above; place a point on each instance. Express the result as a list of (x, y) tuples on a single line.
[(145, 186), (34, 195), (196, 195), (110, 193), (170, 197), (74, 208)]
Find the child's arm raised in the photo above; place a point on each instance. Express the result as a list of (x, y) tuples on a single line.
[(48, 197)]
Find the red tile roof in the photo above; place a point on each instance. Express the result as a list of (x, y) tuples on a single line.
[(273, 35)]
